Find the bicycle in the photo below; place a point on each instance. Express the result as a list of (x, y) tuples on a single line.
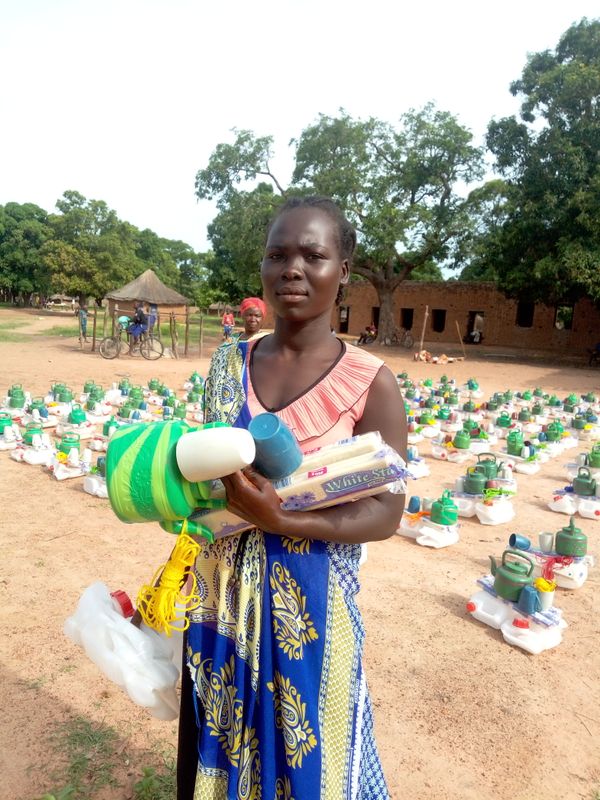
[(147, 345), (400, 337)]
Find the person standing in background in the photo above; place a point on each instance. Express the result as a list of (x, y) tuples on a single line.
[(227, 321)]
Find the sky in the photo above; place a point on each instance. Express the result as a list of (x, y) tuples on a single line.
[(125, 100)]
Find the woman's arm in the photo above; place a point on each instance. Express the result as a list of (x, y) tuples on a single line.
[(252, 497)]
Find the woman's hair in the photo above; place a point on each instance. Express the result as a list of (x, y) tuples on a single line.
[(345, 231)]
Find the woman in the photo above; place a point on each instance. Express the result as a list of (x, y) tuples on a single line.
[(253, 311), (227, 323), (274, 700)]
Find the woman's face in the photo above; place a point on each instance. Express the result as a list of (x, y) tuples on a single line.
[(252, 320), (302, 267)]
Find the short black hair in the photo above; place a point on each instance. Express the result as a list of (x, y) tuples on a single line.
[(346, 232)]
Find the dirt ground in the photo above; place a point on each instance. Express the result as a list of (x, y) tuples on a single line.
[(459, 713)]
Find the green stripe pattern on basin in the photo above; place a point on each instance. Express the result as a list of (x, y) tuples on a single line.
[(143, 480)]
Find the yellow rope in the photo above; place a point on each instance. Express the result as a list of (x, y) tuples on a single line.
[(157, 602)]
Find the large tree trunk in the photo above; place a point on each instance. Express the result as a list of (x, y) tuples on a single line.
[(387, 322)]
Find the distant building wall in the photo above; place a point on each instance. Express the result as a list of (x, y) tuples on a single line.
[(506, 322)]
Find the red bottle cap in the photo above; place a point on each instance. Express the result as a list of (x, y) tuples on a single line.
[(520, 623), (125, 604)]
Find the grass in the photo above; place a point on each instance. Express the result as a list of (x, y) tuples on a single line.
[(93, 753), (7, 332), (61, 330), (8, 336), (10, 326)]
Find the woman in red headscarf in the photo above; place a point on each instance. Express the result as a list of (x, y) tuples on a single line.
[(253, 311)]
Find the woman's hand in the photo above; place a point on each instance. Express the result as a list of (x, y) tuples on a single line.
[(252, 497)]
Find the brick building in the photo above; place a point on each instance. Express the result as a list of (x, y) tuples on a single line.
[(505, 322)]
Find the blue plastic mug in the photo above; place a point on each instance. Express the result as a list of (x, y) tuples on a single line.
[(277, 451), (529, 600), (519, 542), (414, 505)]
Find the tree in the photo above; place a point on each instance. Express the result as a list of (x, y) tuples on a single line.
[(23, 231), (548, 247), (398, 186)]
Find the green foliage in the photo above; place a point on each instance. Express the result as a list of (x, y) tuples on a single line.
[(157, 786), (548, 245), (90, 755), (398, 186), (23, 231), (86, 250)]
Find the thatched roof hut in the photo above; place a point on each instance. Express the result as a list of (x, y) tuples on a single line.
[(148, 288)]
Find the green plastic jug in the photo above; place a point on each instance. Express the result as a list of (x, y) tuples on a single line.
[(594, 457), (524, 415), (65, 395), (87, 386), (554, 432), (68, 441), (443, 413), (579, 422), (5, 421), (444, 511), (570, 541), (583, 483), (469, 406), (77, 415), (462, 440), (154, 384), (504, 420), (32, 429), (514, 443)]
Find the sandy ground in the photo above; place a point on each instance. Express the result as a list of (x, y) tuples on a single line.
[(459, 713)]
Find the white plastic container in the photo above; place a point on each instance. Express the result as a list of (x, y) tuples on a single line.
[(139, 660), (214, 452)]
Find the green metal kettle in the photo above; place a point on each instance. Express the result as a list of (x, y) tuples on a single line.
[(570, 541), (489, 466), (475, 481), (583, 483), (512, 576), (444, 511)]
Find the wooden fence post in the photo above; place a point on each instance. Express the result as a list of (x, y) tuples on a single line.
[(187, 330), (94, 329), (201, 334), (423, 328)]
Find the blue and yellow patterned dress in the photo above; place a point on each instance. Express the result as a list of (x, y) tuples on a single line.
[(274, 651)]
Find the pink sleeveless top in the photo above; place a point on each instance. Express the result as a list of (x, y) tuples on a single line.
[(329, 410)]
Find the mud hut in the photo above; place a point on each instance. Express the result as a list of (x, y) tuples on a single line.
[(148, 288)]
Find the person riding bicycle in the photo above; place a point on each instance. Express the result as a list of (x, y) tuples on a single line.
[(139, 324), (368, 335)]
